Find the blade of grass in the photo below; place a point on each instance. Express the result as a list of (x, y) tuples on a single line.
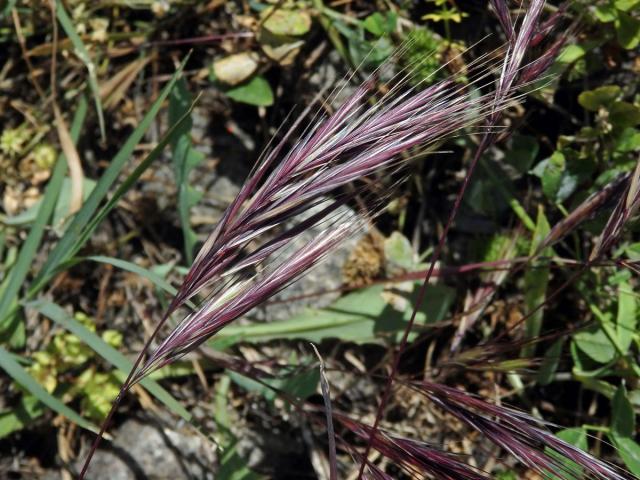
[(106, 351), (129, 181), (154, 278), (7, 8), (30, 246), (536, 282), (21, 376), (84, 56), (71, 238), (184, 158)]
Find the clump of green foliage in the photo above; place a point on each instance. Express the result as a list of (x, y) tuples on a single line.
[(423, 56), (64, 356)]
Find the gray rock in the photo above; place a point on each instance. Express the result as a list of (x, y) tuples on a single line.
[(142, 450)]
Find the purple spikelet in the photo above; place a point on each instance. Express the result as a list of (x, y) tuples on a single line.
[(418, 459), (520, 434), (357, 141)]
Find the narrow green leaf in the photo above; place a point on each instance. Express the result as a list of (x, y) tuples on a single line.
[(21, 376), (30, 246), (106, 351), (6, 10), (133, 268), (627, 316), (235, 467), (550, 363), (184, 158), (301, 385), (126, 185), (154, 278), (536, 281), (366, 315), (84, 56), (77, 231), (221, 414)]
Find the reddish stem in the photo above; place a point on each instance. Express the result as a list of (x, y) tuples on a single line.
[(123, 390), (421, 294)]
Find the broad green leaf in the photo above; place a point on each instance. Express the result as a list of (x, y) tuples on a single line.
[(523, 152), (593, 100), (606, 13), (623, 418), (84, 56), (370, 53), (552, 175), (571, 54), (633, 251), (595, 344), (629, 451), (20, 416), (22, 377), (624, 114), (626, 5), (284, 21), (30, 246), (628, 141), (562, 173), (106, 351), (575, 436), (379, 24), (398, 252), (627, 30), (256, 91), (280, 48)]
